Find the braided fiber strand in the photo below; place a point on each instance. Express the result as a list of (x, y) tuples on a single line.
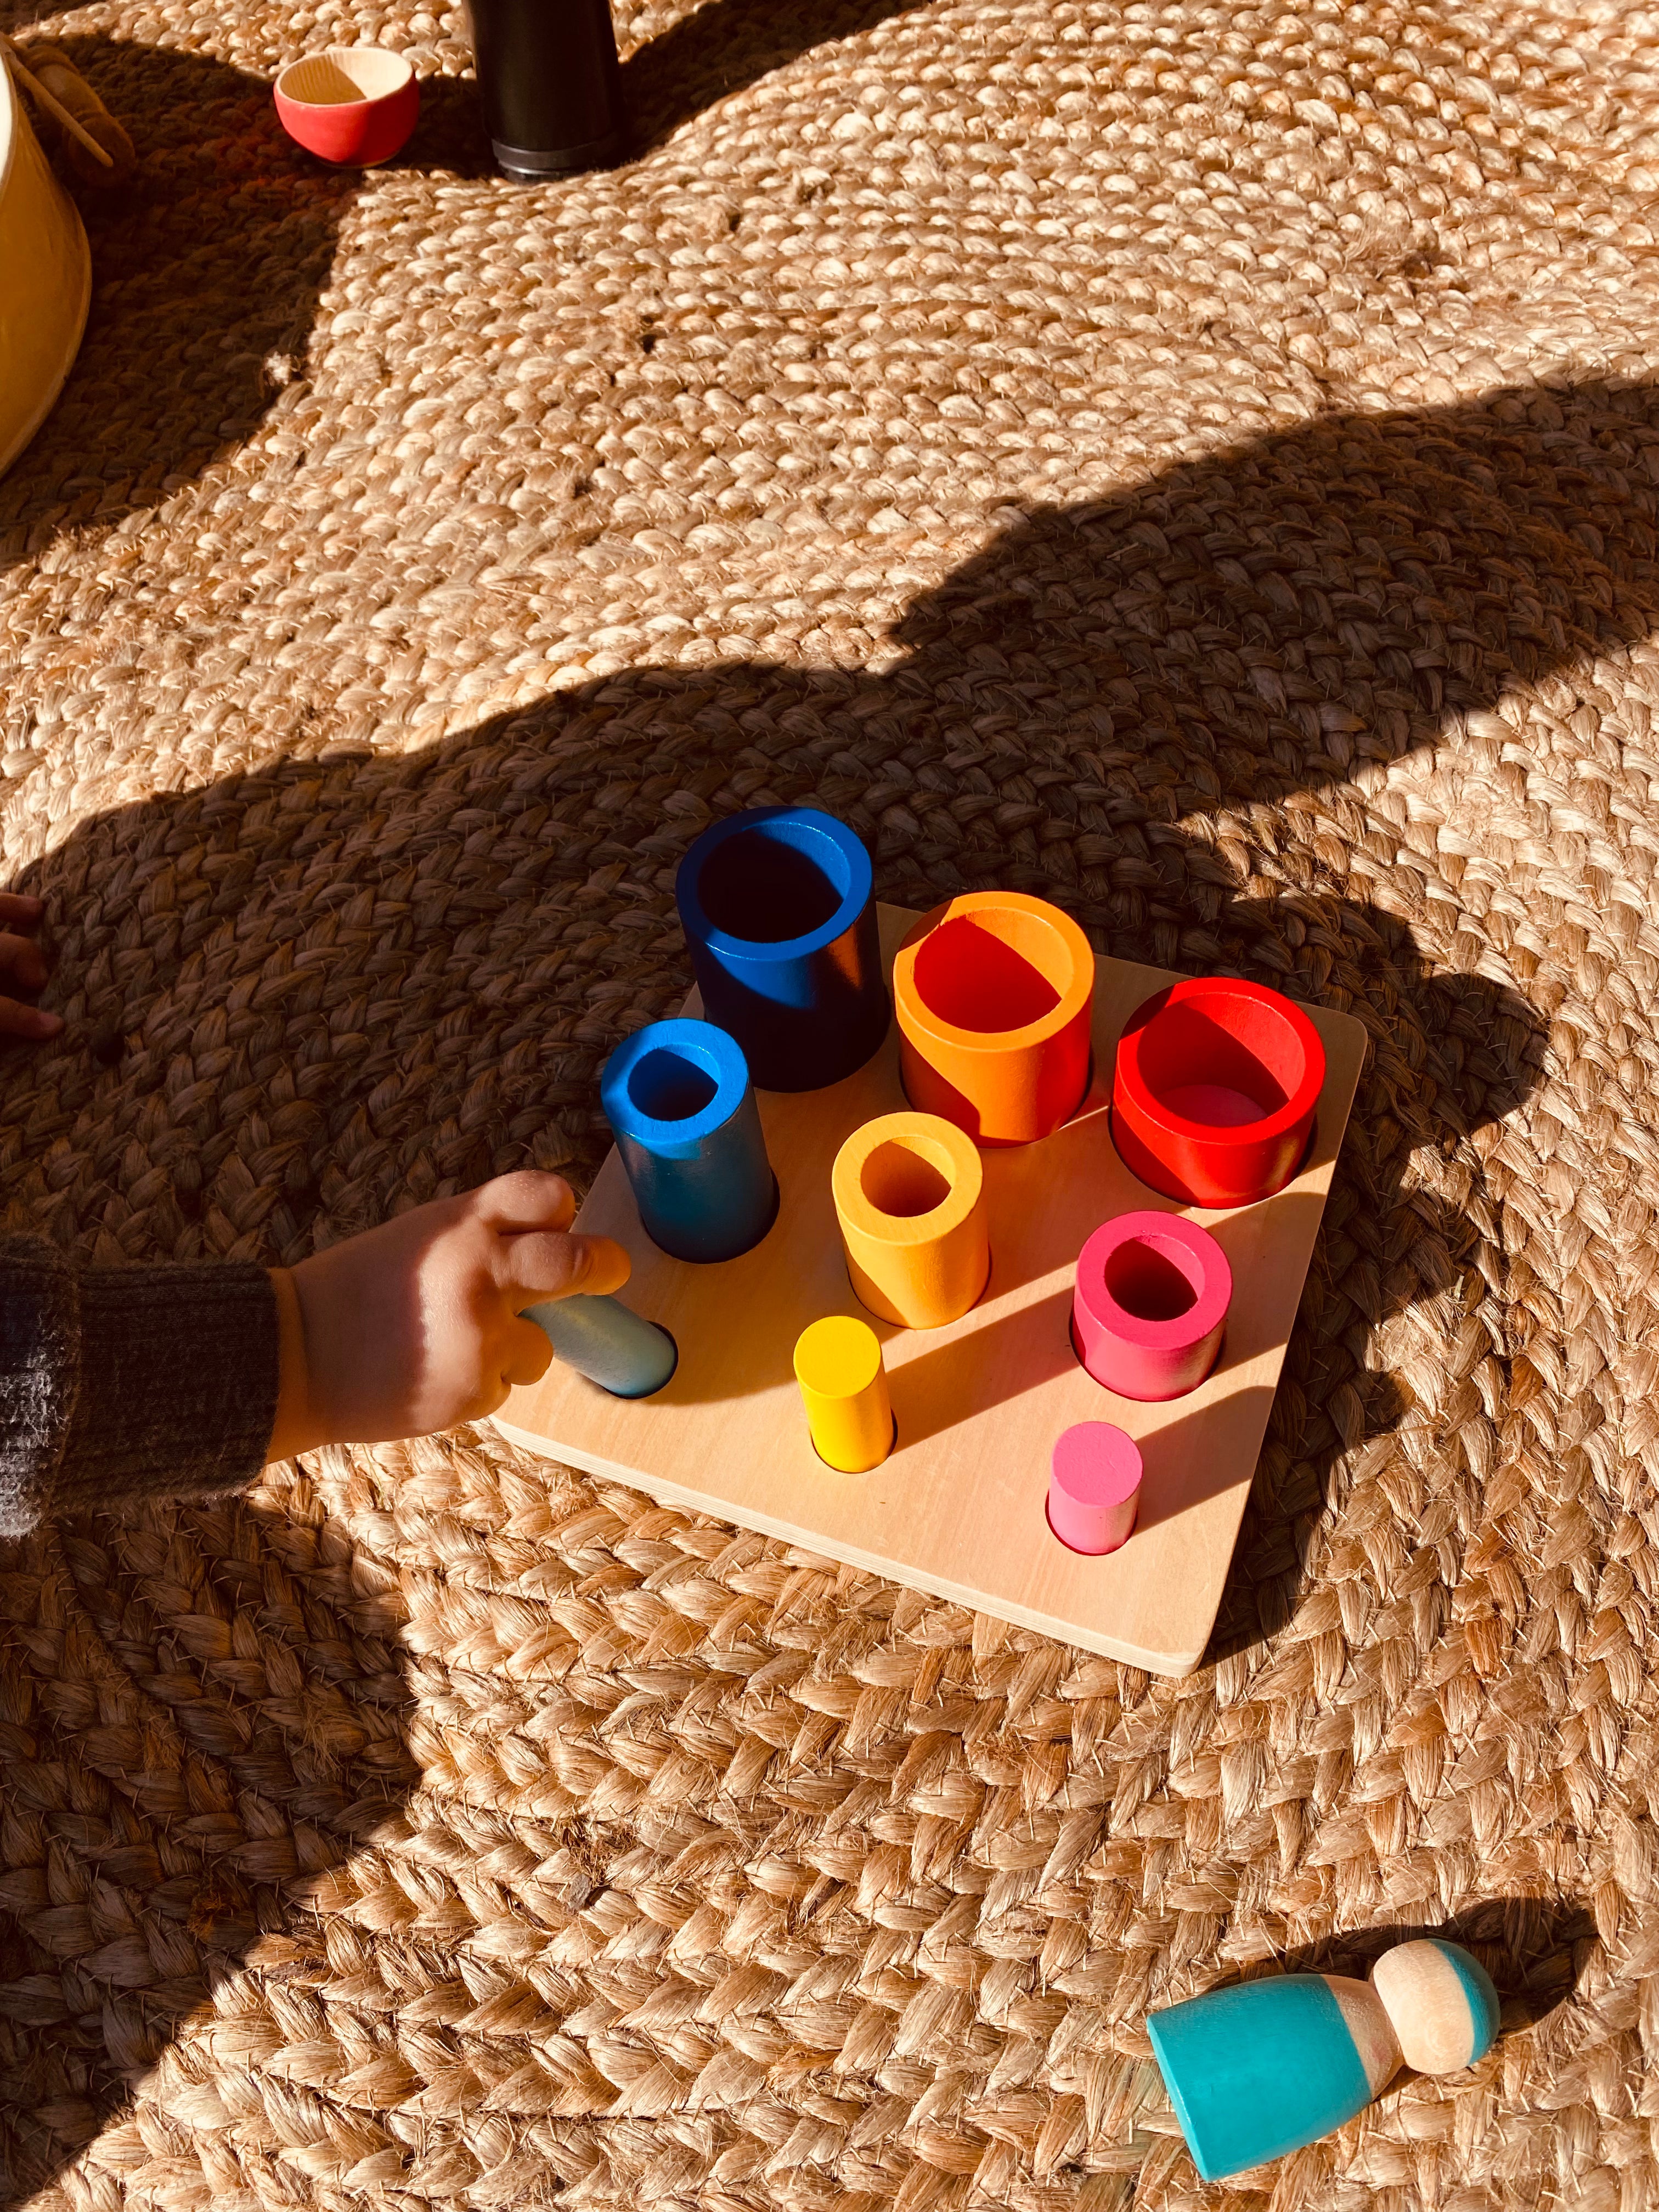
[(1197, 463)]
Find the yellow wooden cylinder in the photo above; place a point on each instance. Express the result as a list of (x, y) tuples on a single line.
[(910, 1194), (843, 1386)]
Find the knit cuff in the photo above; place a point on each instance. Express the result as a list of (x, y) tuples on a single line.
[(126, 1383), (177, 1393), (39, 1376)]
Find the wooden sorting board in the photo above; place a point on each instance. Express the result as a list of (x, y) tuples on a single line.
[(957, 1510)]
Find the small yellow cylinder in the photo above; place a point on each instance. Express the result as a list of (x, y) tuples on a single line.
[(909, 1195), (843, 1386)]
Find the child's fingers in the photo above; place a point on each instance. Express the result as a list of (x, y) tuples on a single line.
[(551, 1266), (16, 909), (529, 1355), (22, 958), (608, 1266), (527, 1200), (31, 1022)]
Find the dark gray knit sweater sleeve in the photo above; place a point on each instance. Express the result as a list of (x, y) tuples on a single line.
[(129, 1382)]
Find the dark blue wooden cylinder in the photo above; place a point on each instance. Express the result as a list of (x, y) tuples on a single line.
[(778, 911), (679, 1096)]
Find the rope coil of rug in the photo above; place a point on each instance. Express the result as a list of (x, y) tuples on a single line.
[(1198, 465)]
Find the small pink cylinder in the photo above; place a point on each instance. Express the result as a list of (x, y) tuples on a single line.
[(1094, 1487), (1150, 1303)]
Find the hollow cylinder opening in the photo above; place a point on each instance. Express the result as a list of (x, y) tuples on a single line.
[(771, 884), (998, 969), (1154, 1280), (1231, 1061), (900, 1182), (665, 1085)]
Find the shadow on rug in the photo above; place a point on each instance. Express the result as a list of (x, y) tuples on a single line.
[(201, 1708), (344, 984)]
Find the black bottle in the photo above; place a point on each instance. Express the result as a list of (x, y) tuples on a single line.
[(550, 84)]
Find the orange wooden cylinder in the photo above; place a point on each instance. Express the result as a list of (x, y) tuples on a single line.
[(993, 994), (910, 1194)]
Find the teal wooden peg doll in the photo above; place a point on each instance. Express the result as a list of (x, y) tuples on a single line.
[(1264, 2067)]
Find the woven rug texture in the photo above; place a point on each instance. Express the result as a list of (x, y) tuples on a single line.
[(1199, 462)]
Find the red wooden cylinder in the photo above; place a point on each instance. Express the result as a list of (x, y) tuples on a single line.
[(1215, 1090)]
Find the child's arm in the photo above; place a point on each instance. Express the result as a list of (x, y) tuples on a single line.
[(119, 1383), (417, 1324)]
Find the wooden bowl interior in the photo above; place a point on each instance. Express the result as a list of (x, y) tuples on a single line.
[(344, 75)]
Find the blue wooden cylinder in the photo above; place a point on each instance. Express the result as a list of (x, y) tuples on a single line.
[(1258, 2070), (679, 1096), (620, 1351), (779, 911)]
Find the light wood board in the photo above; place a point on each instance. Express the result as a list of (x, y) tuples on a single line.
[(958, 1508)]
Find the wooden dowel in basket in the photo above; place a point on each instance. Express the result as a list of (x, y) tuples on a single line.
[(54, 107)]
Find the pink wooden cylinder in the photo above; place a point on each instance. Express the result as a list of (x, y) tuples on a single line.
[(1150, 1303), (1094, 1487)]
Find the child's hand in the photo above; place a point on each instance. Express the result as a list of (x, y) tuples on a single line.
[(416, 1325), (23, 967)]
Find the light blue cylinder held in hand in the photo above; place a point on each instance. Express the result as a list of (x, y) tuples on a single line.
[(620, 1351), (679, 1096)]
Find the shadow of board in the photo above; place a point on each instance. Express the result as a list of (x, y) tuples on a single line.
[(208, 261), (999, 1357), (1080, 710), (946, 1384), (942, 1385)]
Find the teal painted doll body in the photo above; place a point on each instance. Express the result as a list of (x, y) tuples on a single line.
[(1263, 2067)]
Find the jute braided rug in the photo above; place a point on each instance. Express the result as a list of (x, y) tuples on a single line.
[(1197, 461)]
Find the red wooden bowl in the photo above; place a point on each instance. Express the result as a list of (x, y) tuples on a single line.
[(1215, 1090), (354, 105)]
